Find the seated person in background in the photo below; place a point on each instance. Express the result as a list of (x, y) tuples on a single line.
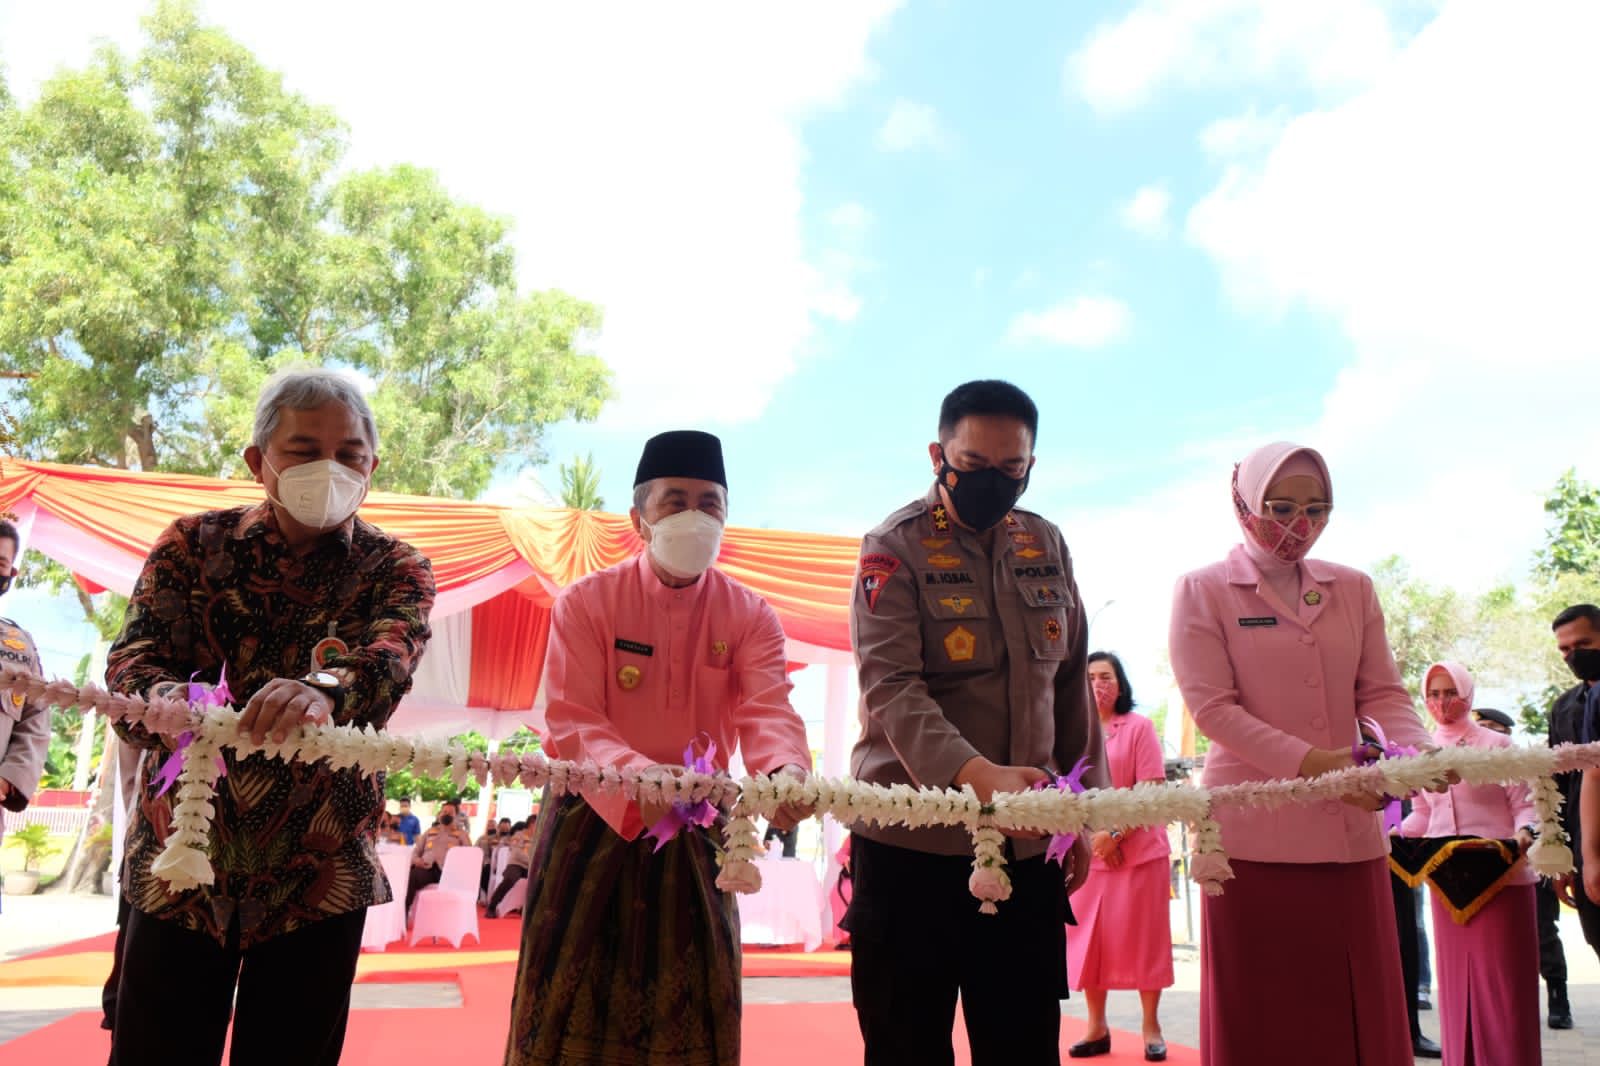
[(427, 860), (389, 829), (519, 839), (1489, 718)]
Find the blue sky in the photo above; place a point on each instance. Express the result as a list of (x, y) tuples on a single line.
[(1185, 226)]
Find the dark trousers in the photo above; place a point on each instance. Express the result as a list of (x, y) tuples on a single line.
[(1552, 957), (509, 877), (918, 940), (421, 877), (1405, 920), (108, 993), (177, 994)]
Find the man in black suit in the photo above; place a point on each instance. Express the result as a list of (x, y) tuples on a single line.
[(1577, 632)]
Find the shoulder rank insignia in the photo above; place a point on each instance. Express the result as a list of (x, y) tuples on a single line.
[(941, 518)]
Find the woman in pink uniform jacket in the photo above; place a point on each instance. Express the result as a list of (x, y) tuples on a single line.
[(1124, 933), (1488, 968), (1278, 656)]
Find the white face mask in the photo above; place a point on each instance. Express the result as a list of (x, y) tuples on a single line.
[(320, 495), (685, 544)]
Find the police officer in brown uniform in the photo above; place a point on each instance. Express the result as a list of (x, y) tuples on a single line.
[(427, 858), (971, 648), (24, 726)]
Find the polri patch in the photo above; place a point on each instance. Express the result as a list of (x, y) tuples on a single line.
[(633, 647), (876, 570)]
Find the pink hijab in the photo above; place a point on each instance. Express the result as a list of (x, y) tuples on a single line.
[(1460, 676), (1254, 475)]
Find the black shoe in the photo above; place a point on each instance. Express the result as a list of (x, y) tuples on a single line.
[(1088, 1049), (1423, 1048), (1560, 1009), (1155, 1051)]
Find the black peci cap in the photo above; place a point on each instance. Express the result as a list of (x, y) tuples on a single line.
[(682, 453)]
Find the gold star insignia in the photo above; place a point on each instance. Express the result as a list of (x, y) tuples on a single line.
[(941, 518)]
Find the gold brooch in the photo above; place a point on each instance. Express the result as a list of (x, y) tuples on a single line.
[(1313, 598)]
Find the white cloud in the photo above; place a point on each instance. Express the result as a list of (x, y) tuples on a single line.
[(911, 125), (850, 217), (1244, 134), (635, 177), (1082, 322), (1329, 45), (1146, 211)]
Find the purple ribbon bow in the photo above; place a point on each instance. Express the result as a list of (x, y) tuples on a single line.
[(700, 812), (1372, 746), (1061, 843), (205, 695)]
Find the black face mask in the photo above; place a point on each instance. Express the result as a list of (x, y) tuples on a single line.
[(1585, 662), (448, 819), (5, 584), (981, 498)]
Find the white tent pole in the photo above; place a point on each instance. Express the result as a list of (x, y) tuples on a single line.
[(835, 745)]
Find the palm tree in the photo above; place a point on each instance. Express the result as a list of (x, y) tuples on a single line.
[(580, 485)]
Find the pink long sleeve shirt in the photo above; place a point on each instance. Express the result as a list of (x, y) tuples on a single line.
[(1133, 753), (1269, 681), (637, 670), (1494, 811)]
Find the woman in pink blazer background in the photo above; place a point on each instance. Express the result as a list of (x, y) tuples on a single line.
[(1277, 657), (1488, 968)]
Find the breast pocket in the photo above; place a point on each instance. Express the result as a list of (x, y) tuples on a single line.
[(11, 706), (957, 634), (1044, 612)]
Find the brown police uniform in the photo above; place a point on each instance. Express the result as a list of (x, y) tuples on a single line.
[(430, 849), (966, 644)]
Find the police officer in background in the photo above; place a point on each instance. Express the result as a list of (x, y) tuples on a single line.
[(970, 643), (24, 726), (427, 858)]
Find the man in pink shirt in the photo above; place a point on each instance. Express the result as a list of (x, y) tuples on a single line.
[(629, 951)]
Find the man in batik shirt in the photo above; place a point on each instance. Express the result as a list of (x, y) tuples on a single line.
[(630, 954), (316, 616)]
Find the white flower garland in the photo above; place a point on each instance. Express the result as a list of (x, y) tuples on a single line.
[(185, 863)]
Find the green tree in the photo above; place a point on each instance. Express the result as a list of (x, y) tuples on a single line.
[(1425, 623), (173, 228), (580, 485), (1572, 538)]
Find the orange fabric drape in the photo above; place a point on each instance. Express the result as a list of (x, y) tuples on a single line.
[(510, 636)]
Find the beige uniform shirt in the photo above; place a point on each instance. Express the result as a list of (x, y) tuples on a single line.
[(968, 644), (432, 845)]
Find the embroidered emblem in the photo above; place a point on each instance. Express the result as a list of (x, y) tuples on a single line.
[(628, 678), (960, 646), (1313, 598), (1049, 596), (719, 647), (933, 544), (958, 604), (941, 518), (325, 650), (1018, 537), (944, 562), (13, 642), (1029, 553), (1052, 630), (876, 570)]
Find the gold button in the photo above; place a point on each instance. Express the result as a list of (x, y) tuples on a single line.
[(628, 677)]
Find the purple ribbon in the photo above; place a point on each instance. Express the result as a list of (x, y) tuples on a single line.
[(681, 814), (1061, 843), (1372, 746), (204, 695)]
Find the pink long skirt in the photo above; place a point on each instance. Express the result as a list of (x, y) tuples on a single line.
[(1489, 982), (1123, 938), (1300, 963)]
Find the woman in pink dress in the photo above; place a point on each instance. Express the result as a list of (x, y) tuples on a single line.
[(1124, 934), (1488, 968), (1277, 656)]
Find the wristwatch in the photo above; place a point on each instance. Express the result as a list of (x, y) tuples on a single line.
[(328, 685)]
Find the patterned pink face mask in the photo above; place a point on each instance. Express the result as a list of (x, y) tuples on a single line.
[(1105, 694), (1291, 542), (1447, 711)]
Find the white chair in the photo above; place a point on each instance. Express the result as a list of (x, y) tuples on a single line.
[(449, 910), (387, 921), (516, 898), (497, 870)]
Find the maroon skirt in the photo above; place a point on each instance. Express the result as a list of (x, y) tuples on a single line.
[(1489, 982), (1300, 962)]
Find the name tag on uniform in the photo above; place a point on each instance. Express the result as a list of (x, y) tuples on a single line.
[(1251, 623), (634, 646)]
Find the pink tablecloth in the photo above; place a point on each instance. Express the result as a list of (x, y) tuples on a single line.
[(387, 921), (788, 909)]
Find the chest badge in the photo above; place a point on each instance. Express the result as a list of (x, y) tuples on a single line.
[(628, 678), (719, 647), (326, 650), (958, 604), (1029, 553), (933, 544), (944, 562), (15, 644), (1052, 630), (1313, 598), (960, 646)]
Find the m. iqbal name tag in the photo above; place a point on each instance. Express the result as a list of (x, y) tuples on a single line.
[(1251, 623)]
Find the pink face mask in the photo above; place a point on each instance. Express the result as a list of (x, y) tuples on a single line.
[(1447, 711), (1291, 542), (1105, 694)]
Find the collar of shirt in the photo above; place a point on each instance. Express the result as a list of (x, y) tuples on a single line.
[(262, 521), (664, 594)]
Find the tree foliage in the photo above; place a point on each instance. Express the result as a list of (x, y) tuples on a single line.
[(580, 484), (173, 228), (1572, 537)]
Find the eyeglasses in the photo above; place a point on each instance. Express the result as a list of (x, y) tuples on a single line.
[(1286, 511)]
